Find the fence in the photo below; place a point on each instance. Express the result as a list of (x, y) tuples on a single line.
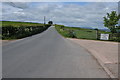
[(112, 36)]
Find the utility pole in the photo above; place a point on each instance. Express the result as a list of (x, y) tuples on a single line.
[(44, 21), (97, 33)]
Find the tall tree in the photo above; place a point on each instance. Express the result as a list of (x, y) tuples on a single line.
[(111, 20)]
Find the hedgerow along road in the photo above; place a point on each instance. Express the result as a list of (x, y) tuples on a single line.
[(49, 55)]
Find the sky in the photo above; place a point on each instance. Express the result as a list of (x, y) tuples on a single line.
[(73, 14)]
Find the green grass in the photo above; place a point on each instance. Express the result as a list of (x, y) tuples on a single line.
[(85, 34), (18, 24), (79, 33)]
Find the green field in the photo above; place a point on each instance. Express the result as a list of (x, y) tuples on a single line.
[(18, 24), (17, 30), (80, 33)]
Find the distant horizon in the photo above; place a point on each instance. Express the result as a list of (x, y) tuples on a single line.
[(105, 29)]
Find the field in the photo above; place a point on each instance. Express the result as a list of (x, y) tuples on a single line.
[(18, 24), (80, 33), (17, 30)]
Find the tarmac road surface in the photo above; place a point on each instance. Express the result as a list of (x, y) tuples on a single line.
[(48, 55)]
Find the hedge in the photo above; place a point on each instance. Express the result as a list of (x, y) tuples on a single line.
[(11, 32)]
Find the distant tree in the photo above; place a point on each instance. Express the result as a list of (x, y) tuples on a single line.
[(50, 22), (111, 20), (96, 29)]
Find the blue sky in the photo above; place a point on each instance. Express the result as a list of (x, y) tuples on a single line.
[(74, 14)]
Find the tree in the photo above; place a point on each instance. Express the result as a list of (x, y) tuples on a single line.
[(111, 20), (50, 22)]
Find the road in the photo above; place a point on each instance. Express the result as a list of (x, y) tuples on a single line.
[(49, 55)]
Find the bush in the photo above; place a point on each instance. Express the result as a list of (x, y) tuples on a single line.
[(69, 33), (115, 37)]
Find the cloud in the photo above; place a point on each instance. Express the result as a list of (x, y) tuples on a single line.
[(61, 0), (21, 5), (71, 14)]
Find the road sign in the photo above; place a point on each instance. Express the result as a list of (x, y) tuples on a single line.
[(104, 36)]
